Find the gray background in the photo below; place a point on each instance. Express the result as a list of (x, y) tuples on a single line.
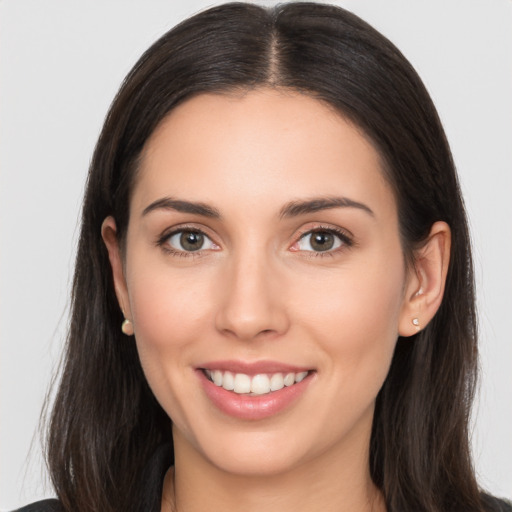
[(61, 62)]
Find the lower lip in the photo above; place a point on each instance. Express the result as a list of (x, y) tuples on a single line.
[(252, 407)]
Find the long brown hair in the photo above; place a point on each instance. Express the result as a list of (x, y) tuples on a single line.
[(106, 422)]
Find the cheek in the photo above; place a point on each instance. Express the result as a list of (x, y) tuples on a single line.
[(169, 311), (170, 315), (354, 317)]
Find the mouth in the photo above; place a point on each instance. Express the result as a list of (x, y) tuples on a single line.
[(255, 385), (254, 391)]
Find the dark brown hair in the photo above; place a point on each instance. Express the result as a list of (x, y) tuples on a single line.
[(106, 422)]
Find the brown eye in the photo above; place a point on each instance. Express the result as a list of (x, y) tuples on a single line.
[(320, 241), (190, 241)]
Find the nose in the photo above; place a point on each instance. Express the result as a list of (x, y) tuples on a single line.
[(252, 302)]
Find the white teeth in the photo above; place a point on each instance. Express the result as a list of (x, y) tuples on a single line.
[(289, 379), (276, 382), (260, 384), (217, 377), (300, 376), (242, 383), (228, 381)]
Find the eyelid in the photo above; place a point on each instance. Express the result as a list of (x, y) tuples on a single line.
[(205, 239), (163, 238), (345, 236)]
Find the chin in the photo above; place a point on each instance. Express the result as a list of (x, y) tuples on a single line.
[(258, 460)]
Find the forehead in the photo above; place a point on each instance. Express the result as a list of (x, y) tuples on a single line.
[(264, 146)]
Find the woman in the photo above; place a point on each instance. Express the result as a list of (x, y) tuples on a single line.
[(274, 255)]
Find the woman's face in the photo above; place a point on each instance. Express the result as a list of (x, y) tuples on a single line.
[(263, 253)]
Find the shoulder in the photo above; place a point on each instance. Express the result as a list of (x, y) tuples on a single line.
[(43, 506), (493, 504)]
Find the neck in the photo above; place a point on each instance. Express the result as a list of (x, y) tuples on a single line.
[(324, 484)]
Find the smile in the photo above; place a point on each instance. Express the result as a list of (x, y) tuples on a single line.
[(254, 391), (260, 384)]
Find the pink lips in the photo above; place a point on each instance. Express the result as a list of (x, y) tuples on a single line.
[(252, 407)]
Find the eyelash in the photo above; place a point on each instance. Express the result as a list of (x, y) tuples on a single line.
[(346, 241), (162, 242)]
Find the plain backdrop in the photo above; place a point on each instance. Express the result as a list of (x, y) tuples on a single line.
[(61, 62)]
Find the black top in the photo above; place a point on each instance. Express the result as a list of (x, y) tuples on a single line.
[(152, 483), (153, 480)]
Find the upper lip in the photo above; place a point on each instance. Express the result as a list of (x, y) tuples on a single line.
[(253, 367)]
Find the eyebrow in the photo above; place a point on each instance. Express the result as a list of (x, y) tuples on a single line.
[(179, 205), (291, 209), (296, 208)]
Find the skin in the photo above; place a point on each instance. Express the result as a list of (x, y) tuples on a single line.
[(259, 291)]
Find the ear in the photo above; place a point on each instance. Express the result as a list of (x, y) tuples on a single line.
[(109, 235), (426, 281)]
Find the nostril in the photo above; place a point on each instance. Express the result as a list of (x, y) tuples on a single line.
[(247, 312)]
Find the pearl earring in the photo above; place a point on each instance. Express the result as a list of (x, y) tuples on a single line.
[(127, 327), (415, 322)]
